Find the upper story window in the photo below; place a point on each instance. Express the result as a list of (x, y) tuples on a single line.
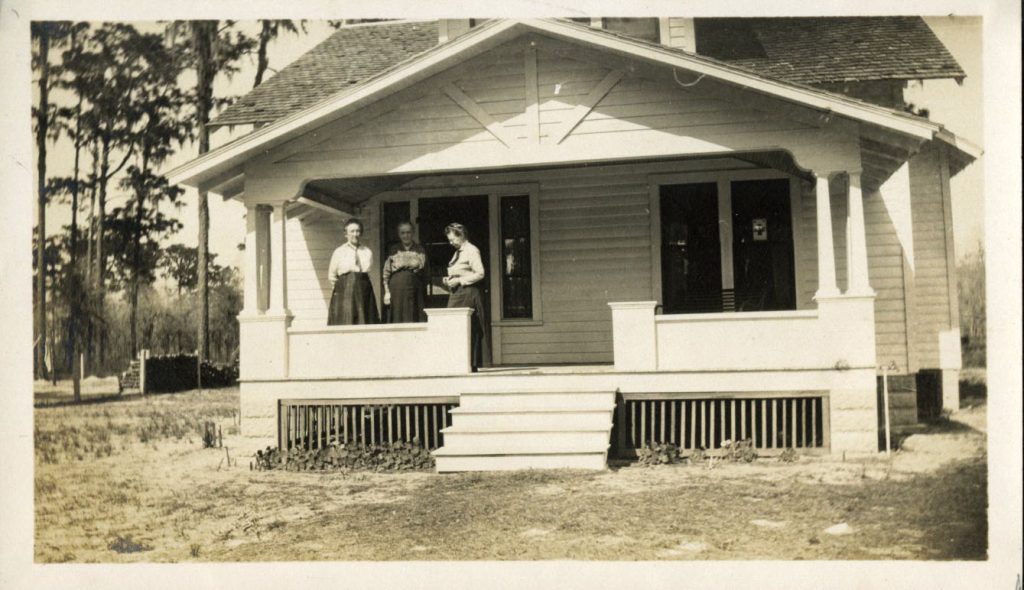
[(638, 28)]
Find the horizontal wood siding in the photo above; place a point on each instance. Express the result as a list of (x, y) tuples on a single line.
[(309, 248), (931, 281)]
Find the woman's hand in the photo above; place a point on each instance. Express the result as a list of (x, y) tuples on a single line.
[(387, 298), (453, 282)]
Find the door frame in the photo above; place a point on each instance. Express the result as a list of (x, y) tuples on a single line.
[(723, 179), (494, 192)]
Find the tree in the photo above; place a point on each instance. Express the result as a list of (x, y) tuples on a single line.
[(210, 49), (970, 274), (44, 34), (108, 74), (269, 30), (72, 186), (180, 263)]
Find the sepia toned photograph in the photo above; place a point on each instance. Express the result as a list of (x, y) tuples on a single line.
[(587, 288)]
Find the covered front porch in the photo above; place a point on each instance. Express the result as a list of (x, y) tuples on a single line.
[(702, 238)]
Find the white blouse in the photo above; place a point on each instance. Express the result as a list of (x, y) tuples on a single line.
[(347, 258), (467, 265)]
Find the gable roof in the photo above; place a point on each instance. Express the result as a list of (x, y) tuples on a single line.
[(800, 50), (831, 49), (349, 56), (225, 163)]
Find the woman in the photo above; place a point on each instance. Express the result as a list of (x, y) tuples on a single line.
[(465, 271), (352, 301), (403, 278)]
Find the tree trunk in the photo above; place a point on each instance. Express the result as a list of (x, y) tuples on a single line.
[(204, 33), (75, 307), (101, 259), (41, 131), (261, 56)]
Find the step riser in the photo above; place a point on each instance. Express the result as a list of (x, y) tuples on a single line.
[(512, 462), (526, 442), (537, 401), (562, 420)]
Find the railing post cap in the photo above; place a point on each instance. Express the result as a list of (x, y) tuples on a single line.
[(448, 311), (632, 304)]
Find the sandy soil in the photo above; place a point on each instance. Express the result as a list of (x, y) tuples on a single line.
[(173, 501)]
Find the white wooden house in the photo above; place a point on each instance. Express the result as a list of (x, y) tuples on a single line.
[(696, 230)]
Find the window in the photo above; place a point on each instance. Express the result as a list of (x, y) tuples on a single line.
[(516, 267), (727, 39), (638, 28)]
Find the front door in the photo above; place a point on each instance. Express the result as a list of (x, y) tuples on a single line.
[(691, 267), (762, 245), (434, 215)]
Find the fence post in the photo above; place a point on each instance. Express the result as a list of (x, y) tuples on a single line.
[(143, 355), (199, 372)]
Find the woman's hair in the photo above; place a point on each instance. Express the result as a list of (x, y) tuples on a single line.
[(355, 222), (457, 229), (401, 223)]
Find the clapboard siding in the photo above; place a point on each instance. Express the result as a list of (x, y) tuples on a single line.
[(931, 281), (309, 248)]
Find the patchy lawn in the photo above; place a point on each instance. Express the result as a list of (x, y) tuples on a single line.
[(166, 499)]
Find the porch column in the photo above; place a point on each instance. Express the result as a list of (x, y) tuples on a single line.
[(263, 327), (278, 266), (826, 248), (250, 269), (857, 268)]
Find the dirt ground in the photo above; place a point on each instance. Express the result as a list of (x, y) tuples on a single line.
[(169, 500)]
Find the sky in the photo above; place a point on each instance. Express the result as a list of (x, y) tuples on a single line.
[(957, 106)]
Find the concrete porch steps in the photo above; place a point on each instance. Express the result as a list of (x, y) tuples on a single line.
[(528, 430)]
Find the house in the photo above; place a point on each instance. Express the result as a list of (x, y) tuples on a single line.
[(696, 231)]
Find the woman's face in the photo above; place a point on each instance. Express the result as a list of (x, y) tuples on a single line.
[(405, 234), (455, 240), (352, 234)]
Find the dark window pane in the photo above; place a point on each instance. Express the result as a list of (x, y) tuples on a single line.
[(516, 271), (638, 28), (727, 39), (394, 213)]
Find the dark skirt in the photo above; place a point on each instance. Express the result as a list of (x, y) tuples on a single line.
[(480, 333), (407, 295), (352, 301)]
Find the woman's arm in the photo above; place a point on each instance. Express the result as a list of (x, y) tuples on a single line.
[(332, 268)]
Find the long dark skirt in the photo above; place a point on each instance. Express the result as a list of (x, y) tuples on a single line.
[(407, 295), (352, 301), (480, 333)]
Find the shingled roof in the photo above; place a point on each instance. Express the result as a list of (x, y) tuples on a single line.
[(799, 50), (349, 56), (830, 49)]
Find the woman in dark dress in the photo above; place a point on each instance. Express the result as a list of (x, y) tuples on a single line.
[(403, 278), (352, 301), (465, 271)]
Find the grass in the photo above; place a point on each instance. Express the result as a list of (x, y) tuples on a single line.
[(75, 432), (169, 500)]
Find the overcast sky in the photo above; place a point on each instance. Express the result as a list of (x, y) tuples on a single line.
[(957, 106)]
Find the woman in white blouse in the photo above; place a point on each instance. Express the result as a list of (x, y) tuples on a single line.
[(465, 271), (352, 300)]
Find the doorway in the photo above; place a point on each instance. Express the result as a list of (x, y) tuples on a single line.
[(691, 270), (434, 214)]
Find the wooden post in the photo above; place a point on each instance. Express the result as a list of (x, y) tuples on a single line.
[(826, 247)]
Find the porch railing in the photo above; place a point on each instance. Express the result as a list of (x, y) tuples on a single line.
[(772, 422), (314, 424)]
